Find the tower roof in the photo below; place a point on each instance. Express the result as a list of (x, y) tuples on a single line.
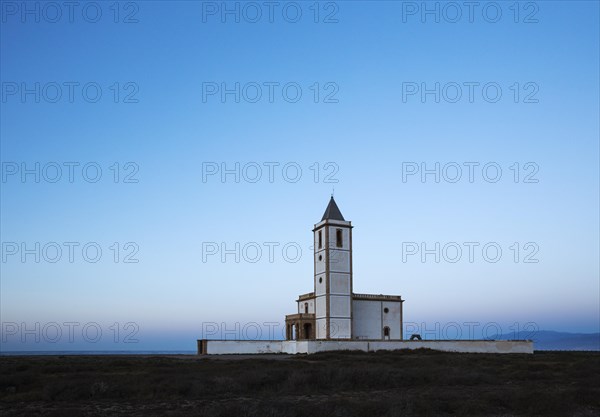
[(332, 212)]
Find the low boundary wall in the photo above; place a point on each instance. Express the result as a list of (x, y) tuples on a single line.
[(244, 347)]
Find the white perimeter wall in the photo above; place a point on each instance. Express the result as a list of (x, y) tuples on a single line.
[(223, 347)]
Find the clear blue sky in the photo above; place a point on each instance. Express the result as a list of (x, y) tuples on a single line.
[(369, 53)]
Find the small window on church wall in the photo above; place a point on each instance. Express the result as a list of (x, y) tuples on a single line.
[(305, 308), (338, 238), (386, 331), (320, 239), (386, 310)]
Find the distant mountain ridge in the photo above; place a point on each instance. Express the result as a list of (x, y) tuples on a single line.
[(551, 340)]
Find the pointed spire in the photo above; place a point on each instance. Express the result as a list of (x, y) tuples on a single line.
[(332, 212)]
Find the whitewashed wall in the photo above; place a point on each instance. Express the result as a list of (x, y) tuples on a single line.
[(311, 306), (339, 306), (223, 347), (339, 328), (339, 283), (366, 319), (339, 261), (369, 319), (321, 328), (392, 318)]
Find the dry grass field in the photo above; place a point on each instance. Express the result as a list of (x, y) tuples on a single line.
[(402, 383)]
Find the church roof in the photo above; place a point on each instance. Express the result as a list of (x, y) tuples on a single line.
[(332, 212)]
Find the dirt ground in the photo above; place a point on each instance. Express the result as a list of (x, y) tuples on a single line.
[(401, 383)]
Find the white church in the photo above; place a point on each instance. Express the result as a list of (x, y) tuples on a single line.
[(332, 317), (332, 310)]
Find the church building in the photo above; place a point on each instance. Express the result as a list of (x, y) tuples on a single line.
[(334, 318), (332, 311)]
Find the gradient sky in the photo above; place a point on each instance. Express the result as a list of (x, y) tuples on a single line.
[(367, 51)]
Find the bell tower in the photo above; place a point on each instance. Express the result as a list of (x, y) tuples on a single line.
[(333, 275)]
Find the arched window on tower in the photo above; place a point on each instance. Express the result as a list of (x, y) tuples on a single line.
[(305, 308), (386, 332)]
